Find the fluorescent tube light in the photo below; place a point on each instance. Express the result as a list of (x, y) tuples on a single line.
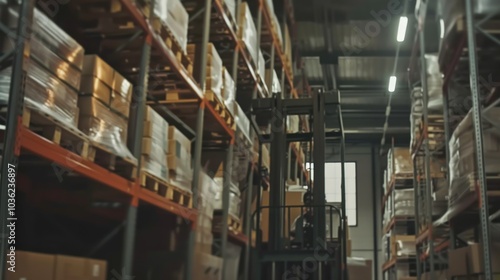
[(392, 83), (403, 23), (441, 23)]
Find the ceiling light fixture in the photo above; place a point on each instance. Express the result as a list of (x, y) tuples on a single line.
[(392, 83), (441, 23), (403, 23)]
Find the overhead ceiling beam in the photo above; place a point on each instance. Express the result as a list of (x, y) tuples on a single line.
[(326, 58)]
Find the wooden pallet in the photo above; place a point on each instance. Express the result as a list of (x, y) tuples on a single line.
[(233, 223), (105, 157), (220, 108), (166, 189), (173, 44), (60, 133)]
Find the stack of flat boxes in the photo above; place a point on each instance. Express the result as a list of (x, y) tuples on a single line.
[(247, 33), (234, 197), (104, 104), (179, 159), (214, 75), (173, 15), (204, 237), (229, 92), (54, 70), (273, 80), (155, 144)]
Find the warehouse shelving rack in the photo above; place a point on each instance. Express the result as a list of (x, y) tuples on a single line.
[(148, 52), (462, 49), (397, 223)]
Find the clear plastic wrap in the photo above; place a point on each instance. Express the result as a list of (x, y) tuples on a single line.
[(231, 6), (404, 204), (179, 159), (103, 126), (228, 90), (405, 245), (45, 93), (242, 122), (214, 78), (262, 67), (272, 77), (462, 166), (122, 86), (56, 65), (434, 84), (234, 197), (207, 193), (161, 11), (247, 31), (155, 144), (177, 21), (91, 85), (52, 36)]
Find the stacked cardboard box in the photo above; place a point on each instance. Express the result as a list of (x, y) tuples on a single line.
[(462, 150), (469, 260), (173, 15), (207, 193), (247, 32), (54, 70), (359, 269), (399, 162), (179, 159), (155, 144), (31, 265), (214, 78), (101, 122), (234, 197), (208, 267), (229, 92)]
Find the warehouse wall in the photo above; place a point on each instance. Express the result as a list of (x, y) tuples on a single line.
[(363, 243)]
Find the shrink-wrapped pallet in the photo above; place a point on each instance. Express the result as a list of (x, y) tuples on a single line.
[(272, 78), (399, 162), (103, 126), (214, 76), (234, 197), (247, 32), (175, 18), (179, 159), (44, 93), (155, 144), (462, 165), (228, 91)]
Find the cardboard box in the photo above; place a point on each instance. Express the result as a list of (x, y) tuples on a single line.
[(120, 105), (177, 136), (468, 260), (95, 66), (32, 266), (122, 86), (75, 268), (91, 85), (207, 267), (360, 272), (204, 240)]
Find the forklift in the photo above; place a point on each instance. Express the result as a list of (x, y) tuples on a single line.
[(313, 246)]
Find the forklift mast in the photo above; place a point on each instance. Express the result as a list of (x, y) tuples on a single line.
[(308, 252)]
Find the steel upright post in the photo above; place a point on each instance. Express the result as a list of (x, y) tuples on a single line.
[(228, 168), (319, 165), (14, 113), (198, 144), (427, 162), (248, 225), (478, 137), (139, 103)]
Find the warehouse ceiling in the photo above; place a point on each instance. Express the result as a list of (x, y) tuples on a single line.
[(350, 46)]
